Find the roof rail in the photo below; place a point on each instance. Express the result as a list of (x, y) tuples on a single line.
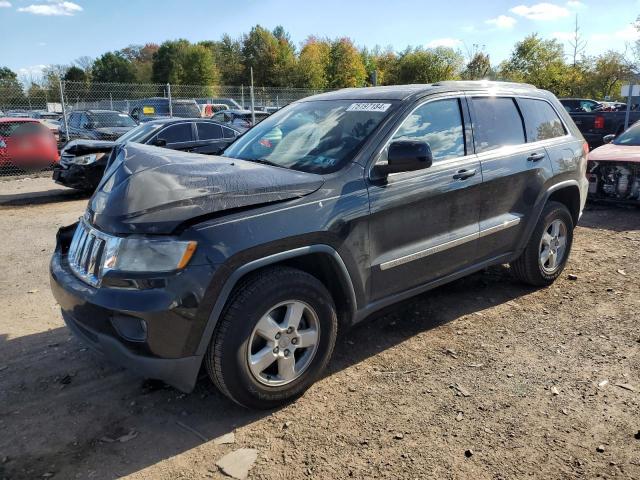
[(483, 83)]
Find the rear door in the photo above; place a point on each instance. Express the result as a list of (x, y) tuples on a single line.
[(513, 172), (424, 224), (178, 136)]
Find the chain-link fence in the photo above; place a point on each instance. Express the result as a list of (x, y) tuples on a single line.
[(38, 121)]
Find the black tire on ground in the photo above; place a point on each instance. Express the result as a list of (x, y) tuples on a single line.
[(528, 266), (226, 359)]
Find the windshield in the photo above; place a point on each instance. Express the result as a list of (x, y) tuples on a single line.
[(111, 119), (630, 138), (140, 133), (317, 136)]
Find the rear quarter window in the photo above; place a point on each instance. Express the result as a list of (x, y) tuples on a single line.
[(497, 123), (540, 119)]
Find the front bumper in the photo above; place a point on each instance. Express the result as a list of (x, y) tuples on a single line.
[(80, 177), (107, 319)]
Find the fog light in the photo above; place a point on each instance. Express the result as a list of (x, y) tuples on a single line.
[(130, 328)]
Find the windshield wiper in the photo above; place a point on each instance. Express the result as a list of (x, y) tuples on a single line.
[(264, 161)]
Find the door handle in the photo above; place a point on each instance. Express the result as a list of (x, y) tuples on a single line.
[(535, 157), (464, 174)]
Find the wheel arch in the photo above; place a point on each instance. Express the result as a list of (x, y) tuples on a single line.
[(567, 193), (321, 261)]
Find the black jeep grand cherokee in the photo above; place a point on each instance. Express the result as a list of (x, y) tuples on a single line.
[(332, 208)]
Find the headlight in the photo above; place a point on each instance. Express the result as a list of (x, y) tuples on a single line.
[(86, 159), (141, 255)]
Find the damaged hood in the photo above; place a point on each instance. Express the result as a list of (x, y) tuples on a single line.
[(83, 147), (153, 190)]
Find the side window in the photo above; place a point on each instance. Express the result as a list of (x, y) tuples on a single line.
[(177, 133), (541, 120), (497, 123), (439, 123), (209, 131), (74, 120), (84, 121), (218, 117), (228, 133)]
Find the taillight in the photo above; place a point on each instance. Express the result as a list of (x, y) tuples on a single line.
[(598, 122), (585, 148)]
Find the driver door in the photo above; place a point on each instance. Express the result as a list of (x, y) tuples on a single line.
[(424, 224)]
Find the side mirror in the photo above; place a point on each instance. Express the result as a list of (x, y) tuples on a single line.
[(406, 156), (609, 138), (160, 142)]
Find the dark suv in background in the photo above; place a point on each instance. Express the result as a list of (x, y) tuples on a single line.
[(96, 125), (332, 208)]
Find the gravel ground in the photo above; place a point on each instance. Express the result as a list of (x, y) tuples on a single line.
[(483, 378)]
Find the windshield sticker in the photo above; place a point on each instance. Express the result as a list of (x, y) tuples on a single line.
[(368, 107)]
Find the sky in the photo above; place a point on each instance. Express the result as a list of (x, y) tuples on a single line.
[(35, 33)]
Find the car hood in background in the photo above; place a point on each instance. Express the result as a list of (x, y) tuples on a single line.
[(153, 190), (84, 147), (615, 153), (112, 132)]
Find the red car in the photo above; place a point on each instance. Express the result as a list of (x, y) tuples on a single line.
[(614, 168), (25, 143)]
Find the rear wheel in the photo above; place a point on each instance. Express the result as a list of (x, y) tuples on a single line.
[(274, 338), (547, 251)]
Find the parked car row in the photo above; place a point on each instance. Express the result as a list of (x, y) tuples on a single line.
[(83, 162)]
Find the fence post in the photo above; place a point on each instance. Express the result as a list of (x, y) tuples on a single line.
[(242, 94), (253, 106), (64, 109), (169, 95), (111, 100)]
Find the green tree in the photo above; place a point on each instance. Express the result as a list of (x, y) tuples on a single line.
[(539, 62), (75, 74), (478, 67), (609, 72), (313, 63), (141, 57), (228, 58), (346, 68), (271, 55), (428, 65), (198, 67), (168, 62), (11, 92), (113, 67)]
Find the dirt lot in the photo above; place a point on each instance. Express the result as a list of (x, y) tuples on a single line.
[(483, 378)]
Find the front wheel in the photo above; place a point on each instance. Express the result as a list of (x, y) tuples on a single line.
[(274, 338), (547, 251)]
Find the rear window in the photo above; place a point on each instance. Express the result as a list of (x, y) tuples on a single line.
[(8, 129), (541, 120), (497, 123)]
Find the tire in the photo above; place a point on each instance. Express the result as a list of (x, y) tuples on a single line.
[(529, 267), (238, 338)]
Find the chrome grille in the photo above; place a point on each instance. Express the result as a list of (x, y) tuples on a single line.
[(86, 253)]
